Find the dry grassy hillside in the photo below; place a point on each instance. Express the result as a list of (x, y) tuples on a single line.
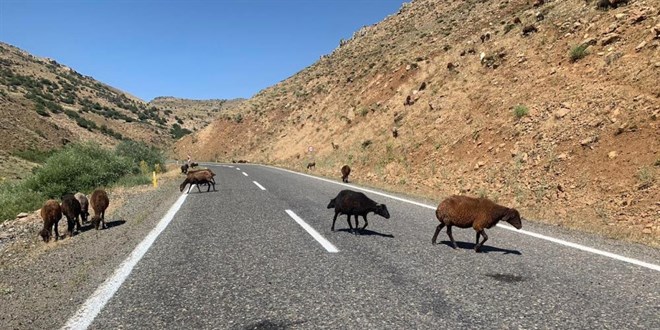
[(548, 106), (45, 105)]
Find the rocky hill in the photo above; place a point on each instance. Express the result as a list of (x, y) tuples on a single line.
[(548, 106), (45, 105), (193, 115)]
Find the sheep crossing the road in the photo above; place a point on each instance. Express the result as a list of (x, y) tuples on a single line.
[(358, 204)]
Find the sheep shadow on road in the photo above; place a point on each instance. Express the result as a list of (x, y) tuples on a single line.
[(366, 232), (108, 224), (484, 249)]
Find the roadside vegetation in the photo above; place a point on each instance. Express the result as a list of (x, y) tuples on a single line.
[(79, 167)]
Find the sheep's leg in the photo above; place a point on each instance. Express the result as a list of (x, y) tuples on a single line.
[(333, 221), (437, 231), (478, 246), (451, 237), (348, 218), (365, 221), (103, 225), (57, 232), (70, 225), (208, 186), (357, 225), (214, 186), (198, 189), (78, 223)]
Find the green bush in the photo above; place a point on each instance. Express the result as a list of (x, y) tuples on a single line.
[(79, 167), (16, 198), (139, 151), (578, 52), (520, 111)]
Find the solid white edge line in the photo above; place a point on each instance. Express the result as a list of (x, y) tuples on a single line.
[(258, 185), (95, 303), (245, 174), (324, 242), (525, 232)]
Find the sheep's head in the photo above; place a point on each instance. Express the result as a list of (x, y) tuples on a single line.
[(45, 235), (183, 185), (332, 203), (381, 210), (513, 218)]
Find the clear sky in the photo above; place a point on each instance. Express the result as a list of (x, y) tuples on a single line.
[(190, 49)]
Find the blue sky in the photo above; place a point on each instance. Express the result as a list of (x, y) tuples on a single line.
[(190, 49)]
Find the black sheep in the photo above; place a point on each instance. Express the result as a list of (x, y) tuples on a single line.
[(184, 168), (71, 210), (358, 204)]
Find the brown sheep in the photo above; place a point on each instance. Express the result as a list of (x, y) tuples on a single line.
[(100, 202), (478, 213), (51, 213), (71, 209), (345, 171), (358, 204), (84, 206), (198, 178)]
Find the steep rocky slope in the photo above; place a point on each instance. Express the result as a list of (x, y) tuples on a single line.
[(548, 106)]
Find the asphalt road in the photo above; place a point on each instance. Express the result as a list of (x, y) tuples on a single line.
[(235, 259)]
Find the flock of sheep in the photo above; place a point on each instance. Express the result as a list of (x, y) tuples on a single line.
[(73, 207), (454, 211), (458, 211)]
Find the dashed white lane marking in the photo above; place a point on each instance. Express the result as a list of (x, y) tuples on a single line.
[(95, 303), (238, 168), (258, 185), (245, 174), (324, 242), (525, 232)]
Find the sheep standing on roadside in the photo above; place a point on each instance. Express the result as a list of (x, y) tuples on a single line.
[(100, 202), (51, 213), (84, 206), (71, 210), (184, 168), (311, 165), (198, 178), (345, 171), (478, 213), (355, 203)]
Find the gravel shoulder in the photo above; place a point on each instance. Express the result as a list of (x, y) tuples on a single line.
[(41, 285)]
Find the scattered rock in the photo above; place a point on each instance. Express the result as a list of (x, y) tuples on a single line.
[(620, 16), (22, 215), (612, 154), (562, 156), (647, 231), (539, 16), (561, 113), (588, 141), (640, 46), (610, 38), (529, 29)]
